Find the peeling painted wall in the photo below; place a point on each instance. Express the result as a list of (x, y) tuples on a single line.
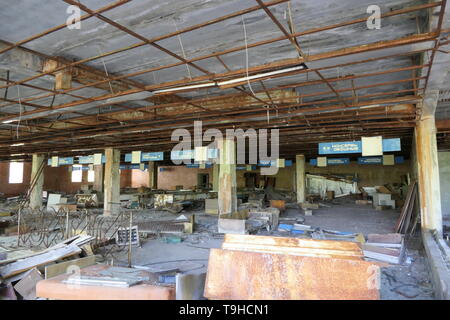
[(173, 176)]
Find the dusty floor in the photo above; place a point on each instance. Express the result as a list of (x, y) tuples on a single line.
[(411, 280)]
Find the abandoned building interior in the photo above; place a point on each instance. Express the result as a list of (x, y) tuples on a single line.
[(225, 150)]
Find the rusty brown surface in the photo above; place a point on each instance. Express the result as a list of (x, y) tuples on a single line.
[(55, 288), (294, 246), (234, 275)]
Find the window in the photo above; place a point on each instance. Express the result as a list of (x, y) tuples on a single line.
[(15, 172), (77, 173), (91, 176)]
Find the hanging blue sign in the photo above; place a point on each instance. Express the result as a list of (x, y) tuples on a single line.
[(268, 163), (190, 154), (196, 165), (62, 161), (389, 145), (182, 155), (131, 166), (86, 159), (340, 147), (379, 160), (332, 161), (147, 156), (89, 159)]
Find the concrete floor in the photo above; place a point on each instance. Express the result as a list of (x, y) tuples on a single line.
[(411, 280)]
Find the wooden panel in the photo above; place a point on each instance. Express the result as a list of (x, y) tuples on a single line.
[(294, 246), (239, 275), (60, 268), (38, 260)]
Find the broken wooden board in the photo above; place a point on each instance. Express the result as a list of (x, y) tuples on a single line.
[(385, 238), (63, 267), (38, 260), (293, 246), (390, 255), (240, 275), (15, 255), (26, 287), (363, 202)]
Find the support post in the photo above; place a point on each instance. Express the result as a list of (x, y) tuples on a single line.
[(428, 166), (300, 177), (152, 175), (112, 182), (227, 177), (38, 177), (98, 178), (215, 179)]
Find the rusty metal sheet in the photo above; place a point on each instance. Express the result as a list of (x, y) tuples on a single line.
[(239, 275), (293, 246)]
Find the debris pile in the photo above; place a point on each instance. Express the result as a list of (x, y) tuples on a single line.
[(20, 272)]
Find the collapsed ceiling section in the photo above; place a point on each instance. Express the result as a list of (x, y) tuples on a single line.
[(136, 70)]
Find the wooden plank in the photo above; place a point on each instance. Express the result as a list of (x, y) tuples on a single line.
[(385, 238), (405, 207), (238, 275), (38, 260), (60, 268), (26, 287)]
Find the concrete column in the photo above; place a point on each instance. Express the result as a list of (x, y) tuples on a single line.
[(98, 178), (36, 193), (112, 182), (215, 180), (152, 175), (227, 177), (300, 177), (428, 166)]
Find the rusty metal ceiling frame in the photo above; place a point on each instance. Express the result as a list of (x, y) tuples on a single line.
[(98, 12)]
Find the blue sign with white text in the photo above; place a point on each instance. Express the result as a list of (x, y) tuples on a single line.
[(389, 145)]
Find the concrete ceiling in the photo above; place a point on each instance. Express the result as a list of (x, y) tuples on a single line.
[(153, 19)]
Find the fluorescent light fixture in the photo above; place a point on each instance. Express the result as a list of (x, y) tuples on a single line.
[(261, 75), (131, 97), (194, 86), (17, 154), (17, 144), (232, 81), (8, 121)]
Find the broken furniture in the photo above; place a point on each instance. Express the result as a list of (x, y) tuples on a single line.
[(235, 222), (383, 199), (87, 200), (268, 268)]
